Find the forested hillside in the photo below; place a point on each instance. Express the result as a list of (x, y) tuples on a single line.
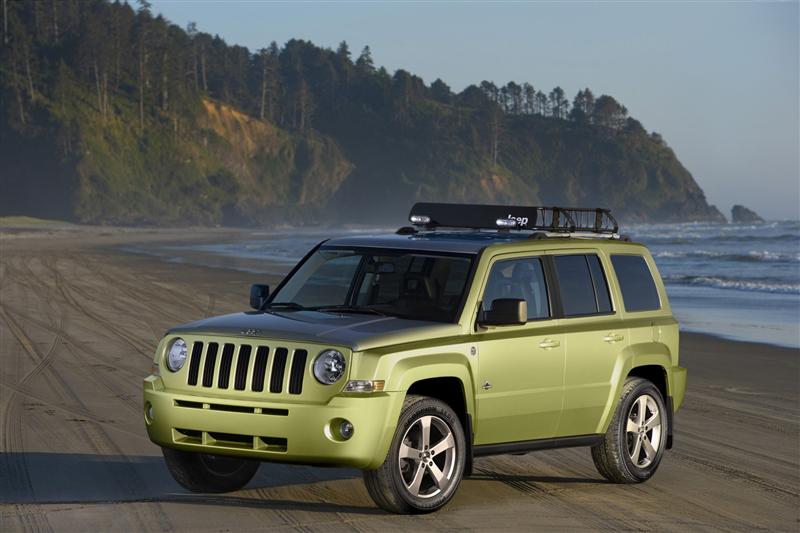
[(109, 114)]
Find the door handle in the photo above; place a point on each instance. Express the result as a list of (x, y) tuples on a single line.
[(613, 337), (548, 343)]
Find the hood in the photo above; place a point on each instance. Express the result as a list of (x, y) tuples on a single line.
[(359, 332)]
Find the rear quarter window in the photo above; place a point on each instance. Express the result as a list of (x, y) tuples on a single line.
[(638, 288)]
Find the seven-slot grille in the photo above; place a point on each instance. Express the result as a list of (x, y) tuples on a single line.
[(227, 366)]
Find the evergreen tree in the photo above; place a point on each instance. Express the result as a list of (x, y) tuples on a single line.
[(542, 104), (609, 113), (364, 62), (583, 106), (343, 52), (490, 90), (5, 21), (493, 117), (529, 98), (514, 96), (440, 91), (558, 103)]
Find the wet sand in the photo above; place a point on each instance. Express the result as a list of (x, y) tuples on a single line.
[(78, 325)]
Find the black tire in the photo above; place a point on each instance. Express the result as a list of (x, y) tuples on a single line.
[(207, 473), (387, 484), (613, 456)]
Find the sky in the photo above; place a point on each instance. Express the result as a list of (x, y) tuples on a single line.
[(718, 80)]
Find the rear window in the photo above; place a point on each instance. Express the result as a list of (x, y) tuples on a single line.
[(583, 286), (639, 291)]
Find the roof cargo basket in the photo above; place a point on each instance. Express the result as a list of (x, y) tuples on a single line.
[(559, 220)]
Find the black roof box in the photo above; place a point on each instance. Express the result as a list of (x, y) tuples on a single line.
[(504, 217)]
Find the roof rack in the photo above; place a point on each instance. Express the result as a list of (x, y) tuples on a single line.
[(560, 221)]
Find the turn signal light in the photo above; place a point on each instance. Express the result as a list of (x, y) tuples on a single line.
[(360, 385)]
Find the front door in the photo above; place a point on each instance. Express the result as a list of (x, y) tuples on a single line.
[(520, 367)]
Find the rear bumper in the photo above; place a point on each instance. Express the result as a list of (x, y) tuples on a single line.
[(677, 386), (271, 431)]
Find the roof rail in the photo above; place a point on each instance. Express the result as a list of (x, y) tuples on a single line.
[(559, 220)]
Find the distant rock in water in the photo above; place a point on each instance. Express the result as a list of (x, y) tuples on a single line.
[(742, 215)]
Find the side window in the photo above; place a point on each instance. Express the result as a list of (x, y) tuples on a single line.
[(522, 279), (584, 289), (575, 282), (639, 291)]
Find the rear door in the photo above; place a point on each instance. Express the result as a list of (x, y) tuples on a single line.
[(641, 301), (594, 338)]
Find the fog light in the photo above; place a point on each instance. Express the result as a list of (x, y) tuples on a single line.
[(346, 430), (148, 413)]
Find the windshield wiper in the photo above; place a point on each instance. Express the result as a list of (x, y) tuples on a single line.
[(347, 309), (292, 306)]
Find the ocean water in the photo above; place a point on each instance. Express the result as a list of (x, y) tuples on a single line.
[(738, 281)]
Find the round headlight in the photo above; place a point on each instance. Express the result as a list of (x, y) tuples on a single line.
[(329, 367), (176, 356)]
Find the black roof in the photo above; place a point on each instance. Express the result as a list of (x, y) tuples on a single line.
[(464, 242)]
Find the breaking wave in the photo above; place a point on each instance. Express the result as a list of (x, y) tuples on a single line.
[(748, 257), (719, 282)]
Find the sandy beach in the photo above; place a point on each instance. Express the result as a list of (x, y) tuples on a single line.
[(79, 321)]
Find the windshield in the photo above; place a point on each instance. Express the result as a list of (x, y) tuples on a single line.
[(397, 283)]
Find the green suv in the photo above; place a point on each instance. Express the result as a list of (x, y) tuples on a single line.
[(480, 330)]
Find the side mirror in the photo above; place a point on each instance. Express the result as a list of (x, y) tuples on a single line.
[(505, 312), (258, 295)]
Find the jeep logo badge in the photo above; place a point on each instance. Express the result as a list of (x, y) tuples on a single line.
[(522, 221), (250, 332)]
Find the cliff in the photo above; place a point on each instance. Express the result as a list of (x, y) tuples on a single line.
[(122, 118)]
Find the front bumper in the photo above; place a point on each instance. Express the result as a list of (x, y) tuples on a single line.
[(273, 431)]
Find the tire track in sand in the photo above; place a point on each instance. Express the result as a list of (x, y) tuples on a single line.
[(15, 468), (93, 434), (66, 293)]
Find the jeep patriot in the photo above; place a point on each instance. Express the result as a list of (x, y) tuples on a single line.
[(479, 330)]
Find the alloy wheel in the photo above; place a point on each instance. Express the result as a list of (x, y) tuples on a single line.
[(427, 457), (643, 431)]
